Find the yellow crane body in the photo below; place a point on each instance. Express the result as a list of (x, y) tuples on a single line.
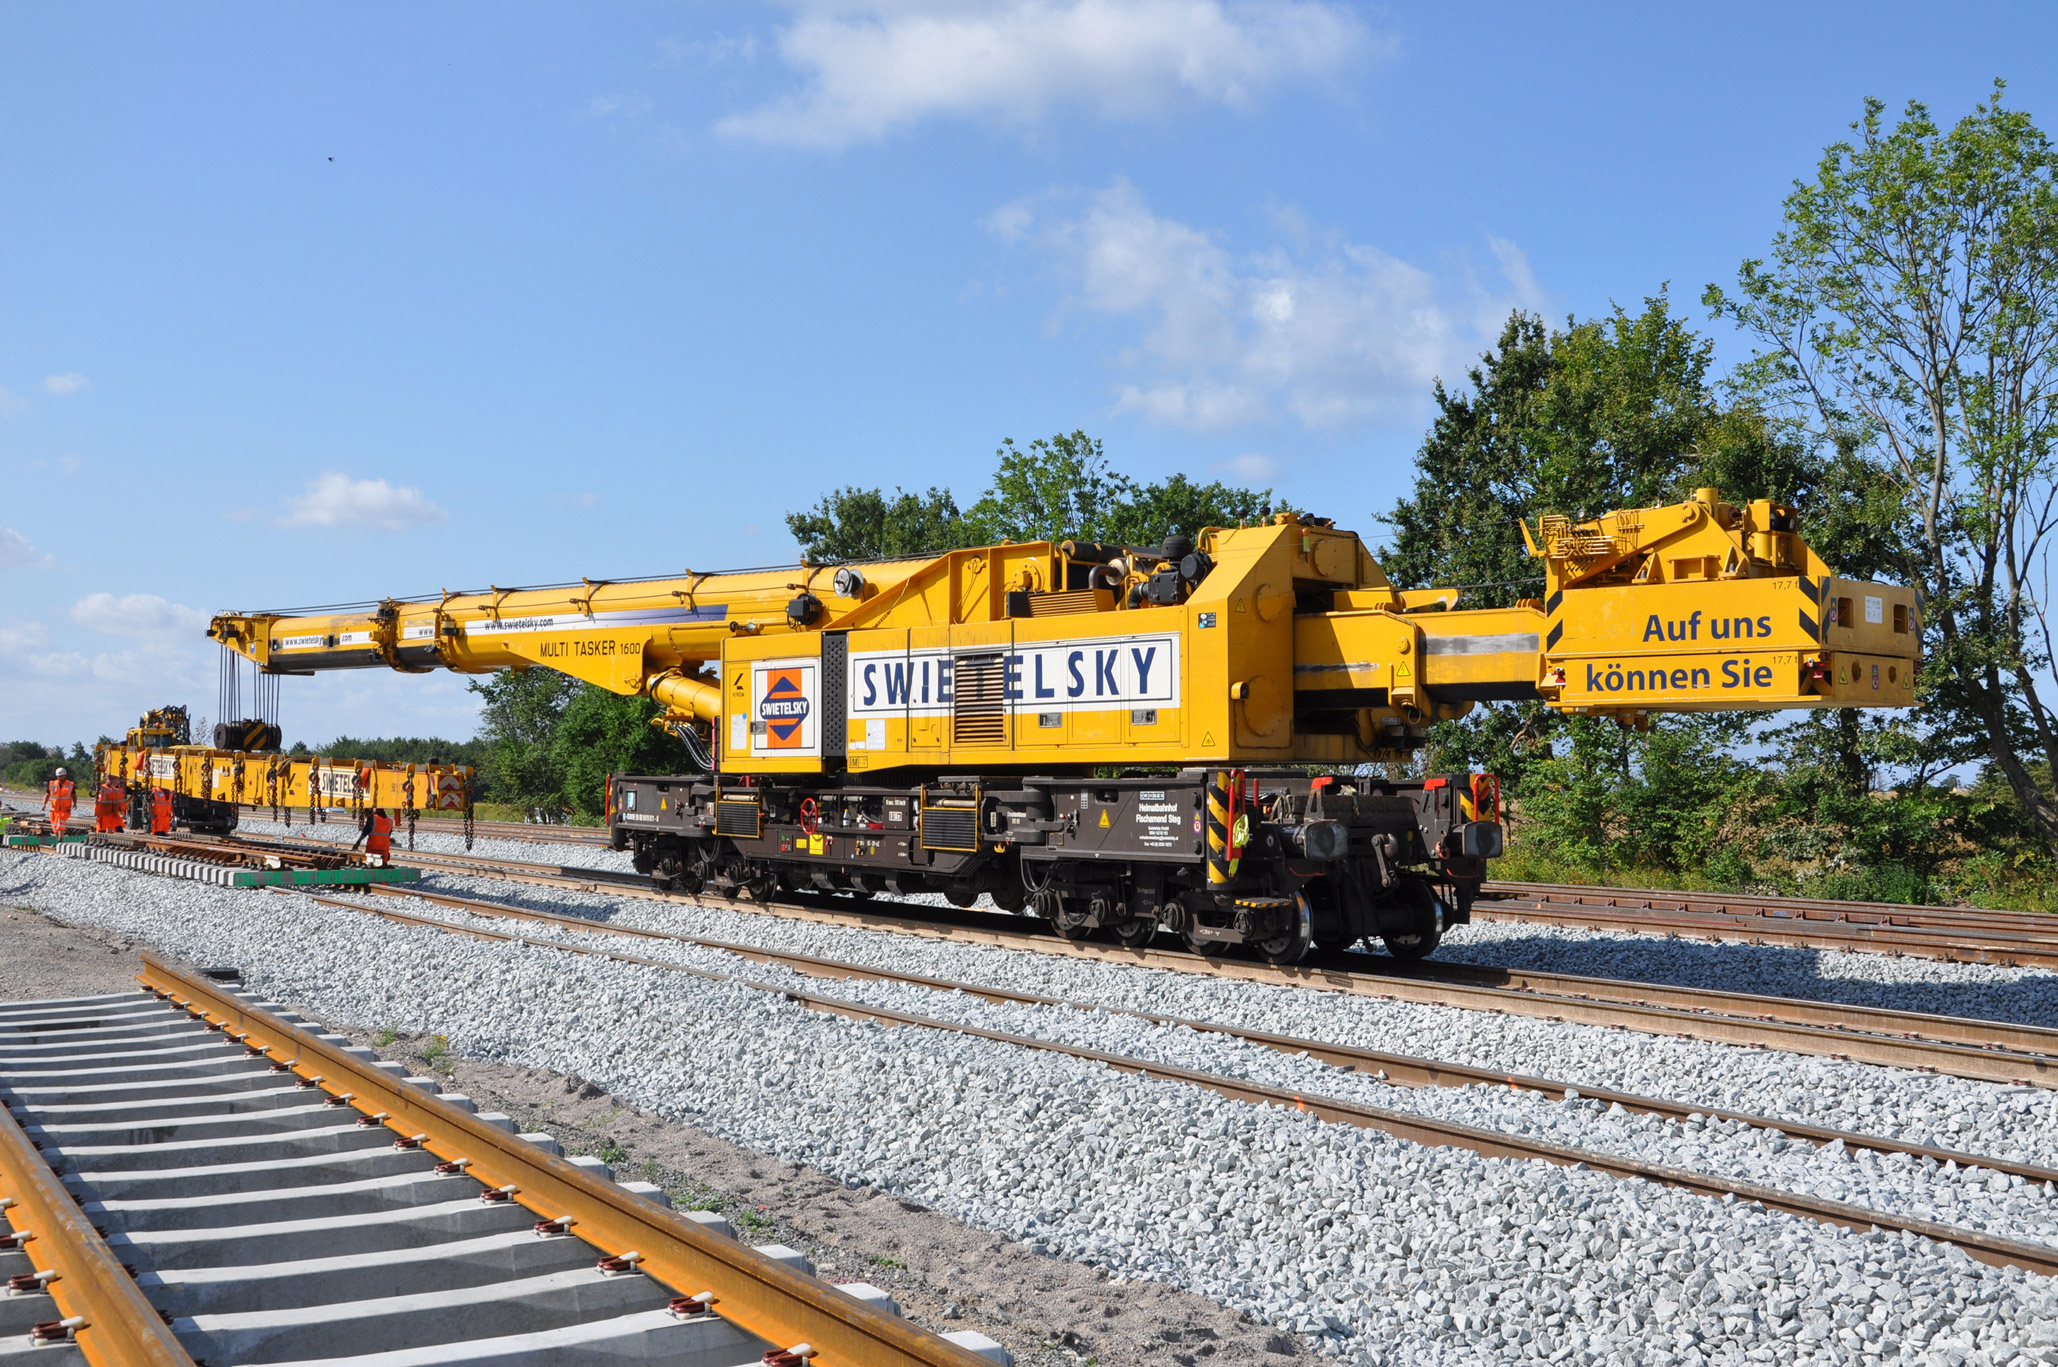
[(887, 691)]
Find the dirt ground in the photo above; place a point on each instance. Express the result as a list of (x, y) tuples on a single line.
[(946, 1275), (40, 958)]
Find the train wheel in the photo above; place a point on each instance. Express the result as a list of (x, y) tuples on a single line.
[(763, 885), (1134, 933), (1420, 940), (1291, 945), (1071, 923), (1411, 947), (1211, 949)]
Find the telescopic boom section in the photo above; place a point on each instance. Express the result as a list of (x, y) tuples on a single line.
[(1282, 642)]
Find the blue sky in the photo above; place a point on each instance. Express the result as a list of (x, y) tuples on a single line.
[(308, 303)]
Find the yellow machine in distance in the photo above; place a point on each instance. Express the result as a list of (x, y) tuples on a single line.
[(969, 697), (210, 785)]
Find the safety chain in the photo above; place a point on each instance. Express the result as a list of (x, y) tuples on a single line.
[(468, 812), (314, 782), (407, 796)]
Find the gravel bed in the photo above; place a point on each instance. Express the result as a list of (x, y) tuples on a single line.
[(1381, 1250), (2017, 1123), (1995, 1202), (1904, 983)]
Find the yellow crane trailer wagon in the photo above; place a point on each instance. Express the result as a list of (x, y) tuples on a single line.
[(210, 784), (948, 723)]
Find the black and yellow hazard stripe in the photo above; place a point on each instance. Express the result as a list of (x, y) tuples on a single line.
[(1220, 869), (1813, 595), (1557, 628)]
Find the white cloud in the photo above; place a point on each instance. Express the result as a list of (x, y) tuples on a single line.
[(1252, 467), (873, 67), (61, 665), (18, 637), (707, 52), (1328, 332), (15, 551), (12, 405), (336, 500), (631, 107), (136, 614), (70, 383)]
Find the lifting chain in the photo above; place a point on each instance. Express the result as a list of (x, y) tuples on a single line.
[(468, 813), (314, 783), (407, 796)]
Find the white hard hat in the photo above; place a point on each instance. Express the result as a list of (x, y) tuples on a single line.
[(61, 773)]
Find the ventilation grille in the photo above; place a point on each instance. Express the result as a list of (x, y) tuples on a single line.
[(979, 701), (951, 828), (1070, 604), (738, 817)]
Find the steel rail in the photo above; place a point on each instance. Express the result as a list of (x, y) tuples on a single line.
[(751, 1290), (1788, 1024), (1967, 947), (1424, 1130), (1404, 1069), (1839, 1017), (99, 1307), (1790, 908)]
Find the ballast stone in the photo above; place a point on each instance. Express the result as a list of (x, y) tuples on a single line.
[(1376, 1249)]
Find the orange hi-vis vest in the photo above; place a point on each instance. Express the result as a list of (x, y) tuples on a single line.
[(161, 812), (107, 807), (380, 842)]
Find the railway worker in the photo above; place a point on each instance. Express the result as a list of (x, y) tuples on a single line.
[(376, 834), (107, 805), (160, 811), (57, 799)]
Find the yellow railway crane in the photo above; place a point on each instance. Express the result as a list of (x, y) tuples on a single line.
[(947, 723)]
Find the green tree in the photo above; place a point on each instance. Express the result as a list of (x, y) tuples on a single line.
[(1615, 412), (1909, 309), (518, 722), (1154, 511), (602, 733), (1053, 489), (866, 524), (1056, 487)]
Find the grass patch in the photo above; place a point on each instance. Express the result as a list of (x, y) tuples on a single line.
[(384, 1037)]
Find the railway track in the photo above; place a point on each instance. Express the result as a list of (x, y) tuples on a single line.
[(1404, 1069), (192, 1176), (1990, 1051), (1420, 1129), (1952, 934)]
